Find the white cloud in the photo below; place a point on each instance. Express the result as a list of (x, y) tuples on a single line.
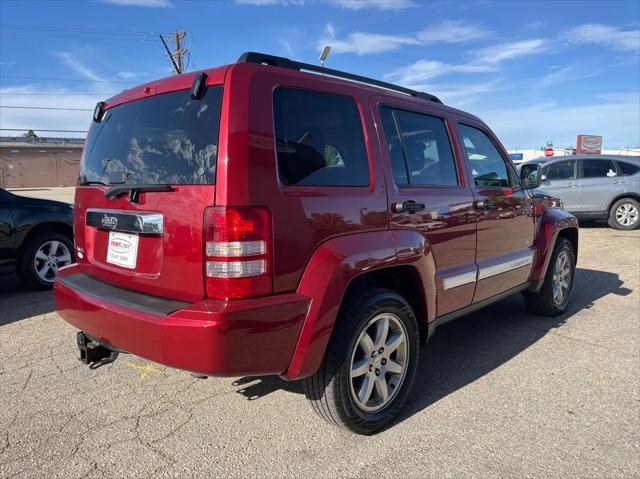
[(47, 119), (568, 73), (129, 75), (425, 70), (348, 4), (141, 3), (452, 32), (269, 3), (501, 52), (595, 33), (76, 97), (485, 60), (72, 62), (285, 45), (616, 117), (362, 43), (535, 25), (378, 4), (460, 95)]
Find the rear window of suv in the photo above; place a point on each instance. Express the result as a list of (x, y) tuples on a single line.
[(319, 139), (165, 139)]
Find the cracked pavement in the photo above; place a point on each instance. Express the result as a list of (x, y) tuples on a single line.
[(499, 393)]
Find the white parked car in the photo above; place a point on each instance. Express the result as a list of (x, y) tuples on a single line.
[(595, 187)]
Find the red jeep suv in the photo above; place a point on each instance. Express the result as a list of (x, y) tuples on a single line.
[(276, 217)]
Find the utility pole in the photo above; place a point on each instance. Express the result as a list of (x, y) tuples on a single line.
[(176, 57), (180, 52)]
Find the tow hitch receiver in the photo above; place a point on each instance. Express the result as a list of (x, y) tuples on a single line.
[(93, 353)]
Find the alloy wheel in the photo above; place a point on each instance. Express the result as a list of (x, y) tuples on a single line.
[(378, 362), (627, 214), (51, 256), (562, 276)]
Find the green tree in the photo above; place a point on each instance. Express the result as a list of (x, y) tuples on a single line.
[(30, 134)]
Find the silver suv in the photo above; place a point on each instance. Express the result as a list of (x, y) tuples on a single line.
[(595, 187)]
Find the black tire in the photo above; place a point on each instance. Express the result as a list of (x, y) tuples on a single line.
[(26, 268), (614, 222), (543, 301), (329, 390)]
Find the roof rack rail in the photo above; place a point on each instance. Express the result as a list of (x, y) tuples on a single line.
[(282, 62)]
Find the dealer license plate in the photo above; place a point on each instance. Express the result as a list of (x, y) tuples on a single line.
[(122, 249)]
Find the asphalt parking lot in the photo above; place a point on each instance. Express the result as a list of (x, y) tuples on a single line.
[(500, 393)]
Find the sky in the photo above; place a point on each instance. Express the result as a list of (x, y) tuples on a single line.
[(533, 71)]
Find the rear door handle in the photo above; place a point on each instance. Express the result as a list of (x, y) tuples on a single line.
[(572, 185), (407, 207)]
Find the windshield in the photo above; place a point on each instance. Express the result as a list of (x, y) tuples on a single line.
[(165, 139)]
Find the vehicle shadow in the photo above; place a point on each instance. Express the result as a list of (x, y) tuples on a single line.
[(465, 350), (17, 302)]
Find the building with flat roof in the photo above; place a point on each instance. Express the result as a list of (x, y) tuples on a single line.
[(39, 162)]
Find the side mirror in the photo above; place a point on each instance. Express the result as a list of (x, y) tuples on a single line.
[(531, 176)]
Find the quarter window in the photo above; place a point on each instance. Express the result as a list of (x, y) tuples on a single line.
[(319, 139), (598, 169), (488, 168), (419, 149), (628, 168)]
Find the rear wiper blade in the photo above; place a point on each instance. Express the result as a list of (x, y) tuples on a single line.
[(134, 191), (86, 183)]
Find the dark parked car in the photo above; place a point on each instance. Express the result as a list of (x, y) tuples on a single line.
[(256, 219), (595, 187), (36, 238)]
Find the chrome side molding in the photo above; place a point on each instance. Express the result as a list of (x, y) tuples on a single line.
[(459, 280), (504, 267), (126, 222), (483, 273)]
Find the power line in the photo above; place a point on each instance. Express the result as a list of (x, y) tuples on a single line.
[(56, 94), (83, 29), (65, 79), (45, 108), (41, 129), (74, 36), (75, 32)]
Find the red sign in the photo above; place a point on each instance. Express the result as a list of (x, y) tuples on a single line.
[(589, 144), (548, 151)]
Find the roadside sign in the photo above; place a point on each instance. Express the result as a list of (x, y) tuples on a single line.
[(548, 151), (516, 157), (549, 143), (589, 144)]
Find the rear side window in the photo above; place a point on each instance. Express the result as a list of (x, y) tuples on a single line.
[(319, 139), (165, 139), (419, 149), (598, 169), (628, 168), (562, 170), (488, 168)]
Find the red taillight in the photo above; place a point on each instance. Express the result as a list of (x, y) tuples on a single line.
[(237, 252)]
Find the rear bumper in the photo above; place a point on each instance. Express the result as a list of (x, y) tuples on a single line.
[(246, 337)]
